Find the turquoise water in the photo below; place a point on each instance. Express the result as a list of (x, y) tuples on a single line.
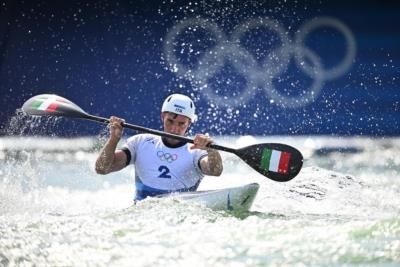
[(343, 209)]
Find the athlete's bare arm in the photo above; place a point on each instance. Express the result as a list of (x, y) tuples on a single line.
[(212, 163), (110, 159)]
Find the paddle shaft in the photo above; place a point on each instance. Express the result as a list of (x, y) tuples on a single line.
[(156, 132), (286, 160)]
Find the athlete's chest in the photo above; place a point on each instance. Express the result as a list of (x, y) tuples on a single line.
[(155, 152)]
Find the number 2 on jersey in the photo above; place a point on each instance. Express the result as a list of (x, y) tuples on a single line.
[(164, 172)]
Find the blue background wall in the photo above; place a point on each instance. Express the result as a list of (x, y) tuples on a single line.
[(109, 57)]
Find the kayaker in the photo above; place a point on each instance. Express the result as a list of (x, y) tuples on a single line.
[(162, 165)]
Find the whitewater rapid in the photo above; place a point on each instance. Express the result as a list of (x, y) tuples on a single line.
[(342, 209)]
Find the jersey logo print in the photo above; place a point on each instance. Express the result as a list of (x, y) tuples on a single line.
[(167, 156), (150, 139)]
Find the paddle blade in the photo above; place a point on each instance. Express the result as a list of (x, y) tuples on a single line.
[(52, 105), (278, 162)]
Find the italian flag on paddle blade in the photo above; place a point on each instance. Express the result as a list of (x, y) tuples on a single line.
[(275, 161), (48, 103)]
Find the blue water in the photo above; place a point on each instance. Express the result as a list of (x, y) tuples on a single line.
[(341, 210)]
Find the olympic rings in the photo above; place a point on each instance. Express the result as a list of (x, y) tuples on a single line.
[(307, 97), (347, 61), (174, 63), (269, 69), (167, 156), (259, 74), (240, 56)]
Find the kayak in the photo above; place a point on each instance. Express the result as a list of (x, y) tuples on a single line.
[(229, 199)]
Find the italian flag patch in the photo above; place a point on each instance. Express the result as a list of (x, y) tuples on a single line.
[(49, 104), (275, 161)]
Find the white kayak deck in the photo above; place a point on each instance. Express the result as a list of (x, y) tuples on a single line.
[(232, 199)]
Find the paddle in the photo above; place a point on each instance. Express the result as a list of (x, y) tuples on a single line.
[(278, 162)]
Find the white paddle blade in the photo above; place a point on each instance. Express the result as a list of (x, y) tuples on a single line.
[(52, 105)]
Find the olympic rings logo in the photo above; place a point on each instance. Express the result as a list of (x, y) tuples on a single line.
[(167, 156), (259, 75)]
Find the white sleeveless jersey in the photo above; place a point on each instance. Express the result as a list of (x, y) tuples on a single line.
[(161, 169)]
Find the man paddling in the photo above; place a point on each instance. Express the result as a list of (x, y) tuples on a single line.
[(162, 165)]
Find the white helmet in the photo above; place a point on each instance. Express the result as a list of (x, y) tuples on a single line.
[(180, 104)]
